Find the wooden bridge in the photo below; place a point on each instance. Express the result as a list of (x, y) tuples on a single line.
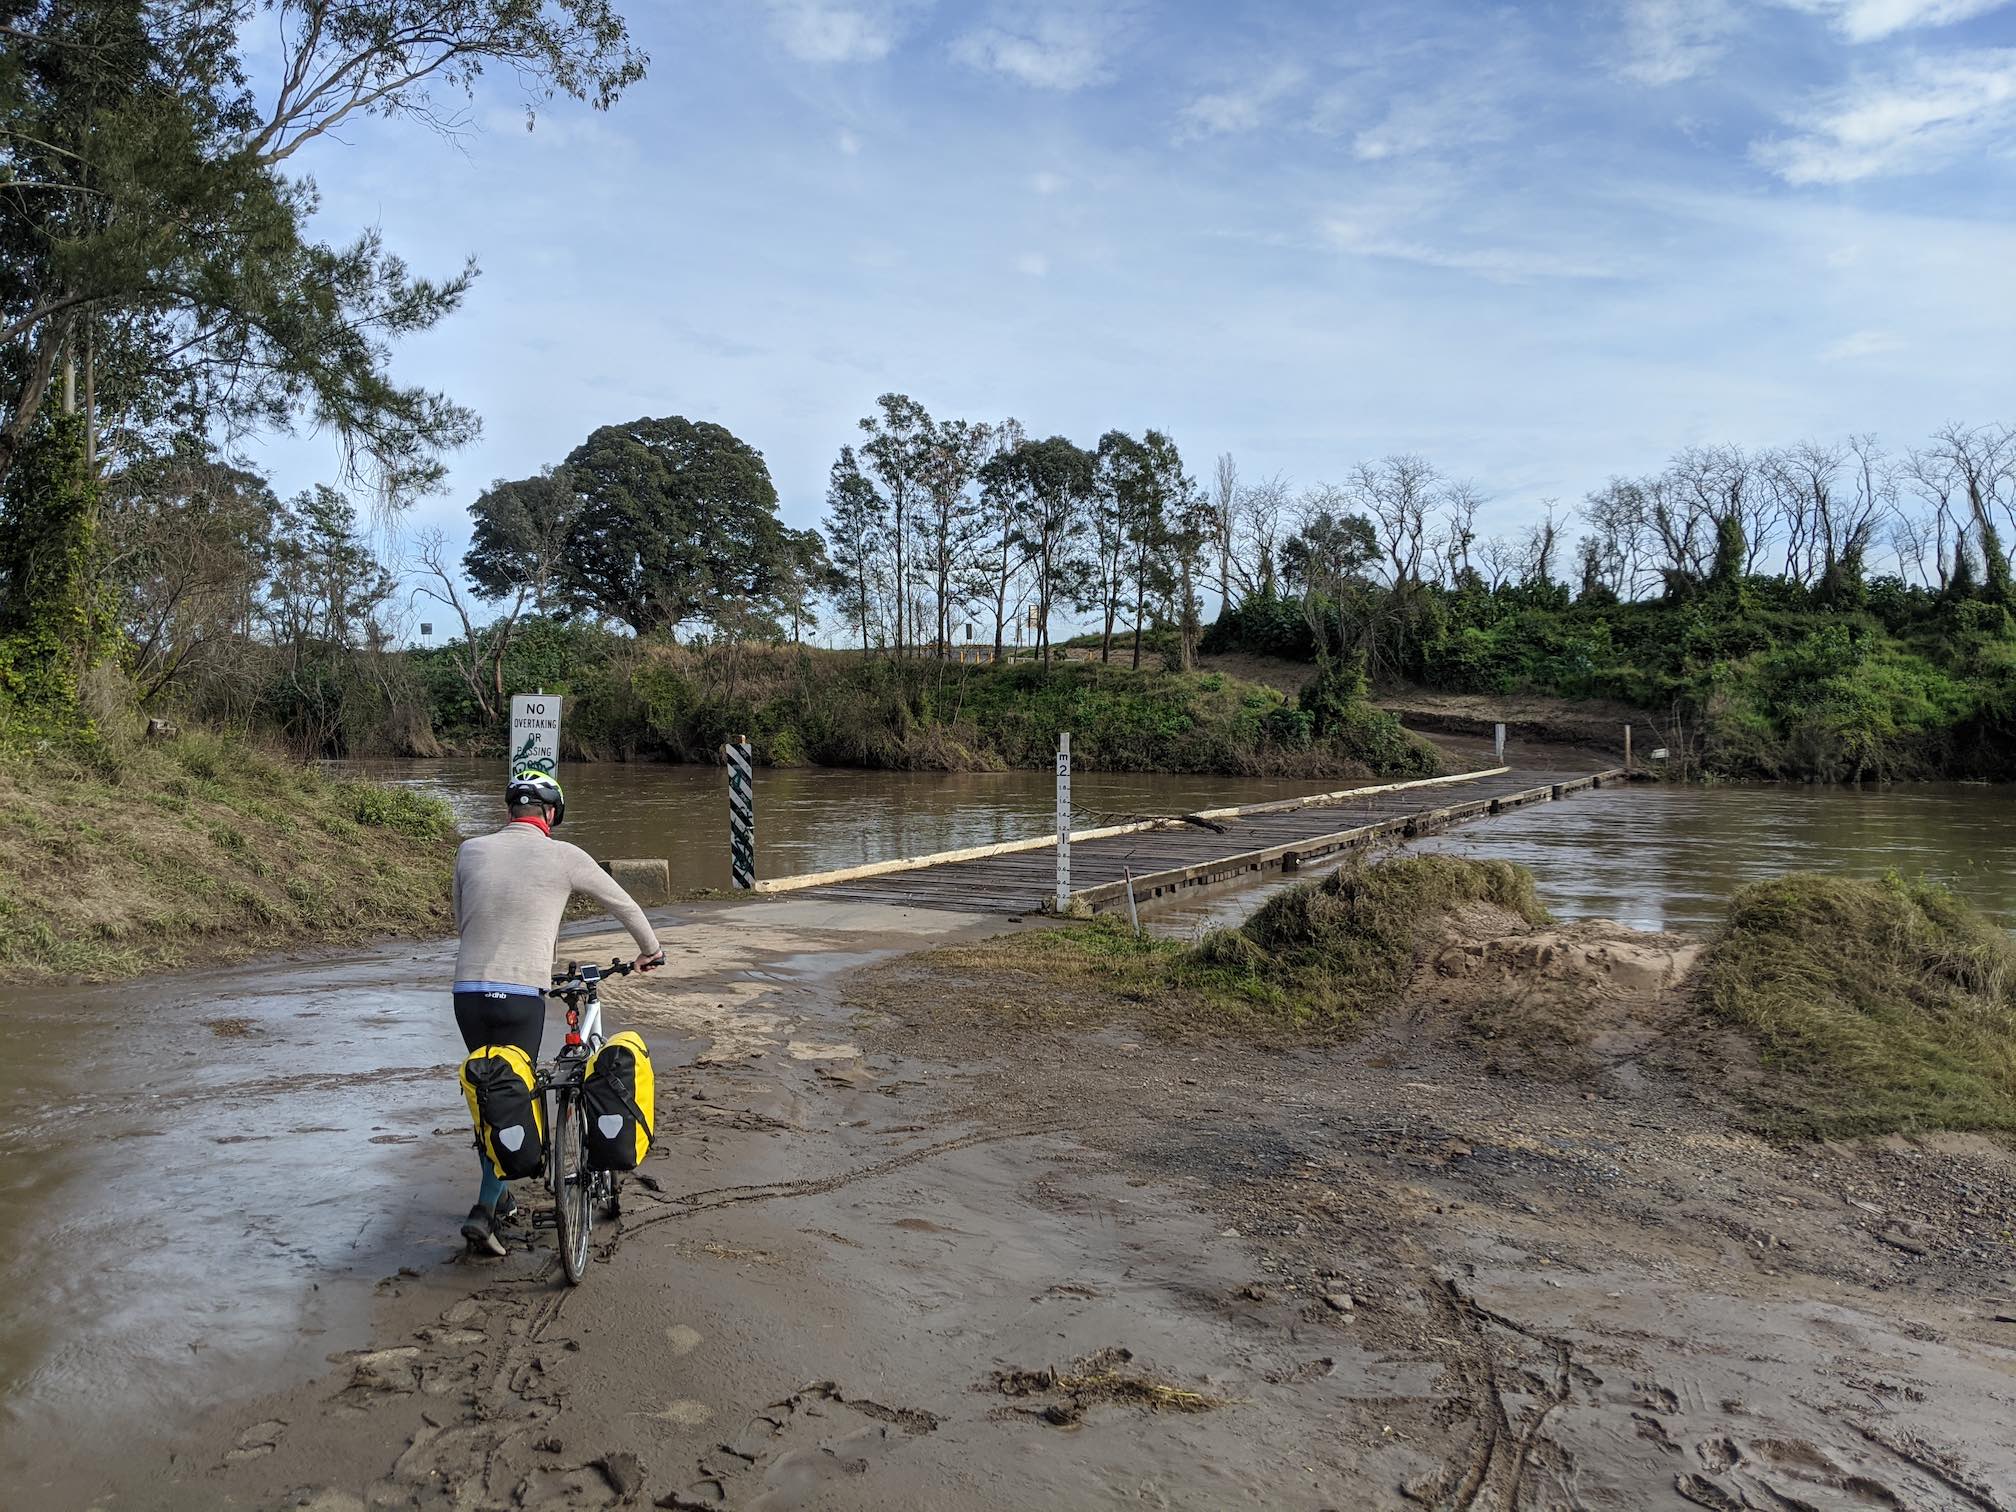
[(1167, 857)]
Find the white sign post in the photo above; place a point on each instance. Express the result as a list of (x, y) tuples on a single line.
[(1064, 823), (535, 731)]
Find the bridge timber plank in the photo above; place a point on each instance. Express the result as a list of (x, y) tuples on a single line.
[(1170, 858)]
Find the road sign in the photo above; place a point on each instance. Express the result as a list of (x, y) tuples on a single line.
[(535, 731)]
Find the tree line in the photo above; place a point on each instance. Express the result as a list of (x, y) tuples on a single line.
[(929, 521)]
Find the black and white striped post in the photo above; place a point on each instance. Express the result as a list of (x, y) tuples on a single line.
[(1064, 823), (741, 813)]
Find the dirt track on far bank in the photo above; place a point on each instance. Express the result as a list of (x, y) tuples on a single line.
[(917, 1259)]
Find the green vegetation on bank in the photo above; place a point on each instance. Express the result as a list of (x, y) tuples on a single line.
[(1877, 1005), (122, 857), (1313, 964), (630, 698), (1749, 679)]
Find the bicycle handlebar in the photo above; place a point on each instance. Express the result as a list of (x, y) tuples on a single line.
[(616, 967)]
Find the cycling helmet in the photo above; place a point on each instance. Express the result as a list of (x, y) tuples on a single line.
[(532, 785)]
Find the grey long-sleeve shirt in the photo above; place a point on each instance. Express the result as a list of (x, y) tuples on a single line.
[(511, 888)]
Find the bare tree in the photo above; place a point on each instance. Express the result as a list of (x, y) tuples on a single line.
[(1397, 495), (1503, 561), (1261, 509), (1537, 548), (1981, 465), (478, 657), (1459, 533), (1614, 554)]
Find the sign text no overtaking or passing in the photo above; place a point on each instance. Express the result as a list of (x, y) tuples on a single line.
[(535, 731)]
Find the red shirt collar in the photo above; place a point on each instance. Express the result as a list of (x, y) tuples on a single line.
[(540, 824)]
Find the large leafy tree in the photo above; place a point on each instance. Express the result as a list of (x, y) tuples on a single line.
[(159, 284), (676, 523), (152, 246)]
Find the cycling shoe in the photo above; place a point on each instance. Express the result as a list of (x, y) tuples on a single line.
[(481, 1232)]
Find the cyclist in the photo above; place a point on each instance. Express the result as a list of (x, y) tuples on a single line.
[(511, 888)]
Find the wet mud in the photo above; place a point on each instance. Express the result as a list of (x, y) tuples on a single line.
[(887, 1260)]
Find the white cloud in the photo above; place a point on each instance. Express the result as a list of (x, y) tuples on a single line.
[(1666, 41), (1858, 344), (1501, 264), (1871, 20), (1242, 108), (848, 143), (1937, 110), (826, 31), (1047, 182), (1051, 49), (1032, 265), (1415, 126)]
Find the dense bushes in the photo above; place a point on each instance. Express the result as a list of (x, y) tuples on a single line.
[(628, 699), (1749, 678)]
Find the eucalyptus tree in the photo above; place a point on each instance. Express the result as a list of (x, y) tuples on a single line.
[(951, 521), (856, 526), (896, 452), (1049, 486), (1001, 560)]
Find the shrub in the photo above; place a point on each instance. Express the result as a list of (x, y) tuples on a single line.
[(414, 815)]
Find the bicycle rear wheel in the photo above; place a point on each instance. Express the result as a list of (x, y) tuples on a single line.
[(573, 1182)]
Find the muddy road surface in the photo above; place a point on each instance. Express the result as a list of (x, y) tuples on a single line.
[(891, 1253)]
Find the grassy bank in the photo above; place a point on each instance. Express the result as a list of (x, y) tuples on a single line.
[(1312, 965), (117, 861), (632, 699), (1872, 1007), (1877, 1005)]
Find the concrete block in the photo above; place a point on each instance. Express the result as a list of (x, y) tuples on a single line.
[(649, 882)]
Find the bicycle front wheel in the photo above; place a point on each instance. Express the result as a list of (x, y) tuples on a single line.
[(573, 1186)]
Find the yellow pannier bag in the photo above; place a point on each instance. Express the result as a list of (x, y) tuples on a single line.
[(510, 1121), (619, 1103)]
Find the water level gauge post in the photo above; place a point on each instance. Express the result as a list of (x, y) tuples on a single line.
[(741, 813)]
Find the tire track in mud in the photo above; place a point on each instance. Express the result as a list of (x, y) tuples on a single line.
[(521, 1330)]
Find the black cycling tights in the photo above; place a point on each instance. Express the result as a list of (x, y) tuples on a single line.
[(501, 1018)]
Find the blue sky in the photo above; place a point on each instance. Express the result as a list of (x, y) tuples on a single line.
[(1538, 243)]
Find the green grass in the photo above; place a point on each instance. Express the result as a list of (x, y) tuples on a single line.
[(118, 860), (1878, 1006), (1313, 964)]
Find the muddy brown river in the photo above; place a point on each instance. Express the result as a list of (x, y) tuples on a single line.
[(208, 1173), (1651, 857)]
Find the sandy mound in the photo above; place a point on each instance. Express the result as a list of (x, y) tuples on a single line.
[(1566, 998)]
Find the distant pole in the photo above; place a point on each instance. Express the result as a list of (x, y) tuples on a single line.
[(1133, 912), (1627, 748), (1064, 822), (741, 813), (1498, 747)]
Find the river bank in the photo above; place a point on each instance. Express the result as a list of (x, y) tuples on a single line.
[(935, 1256), (121, 858)]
